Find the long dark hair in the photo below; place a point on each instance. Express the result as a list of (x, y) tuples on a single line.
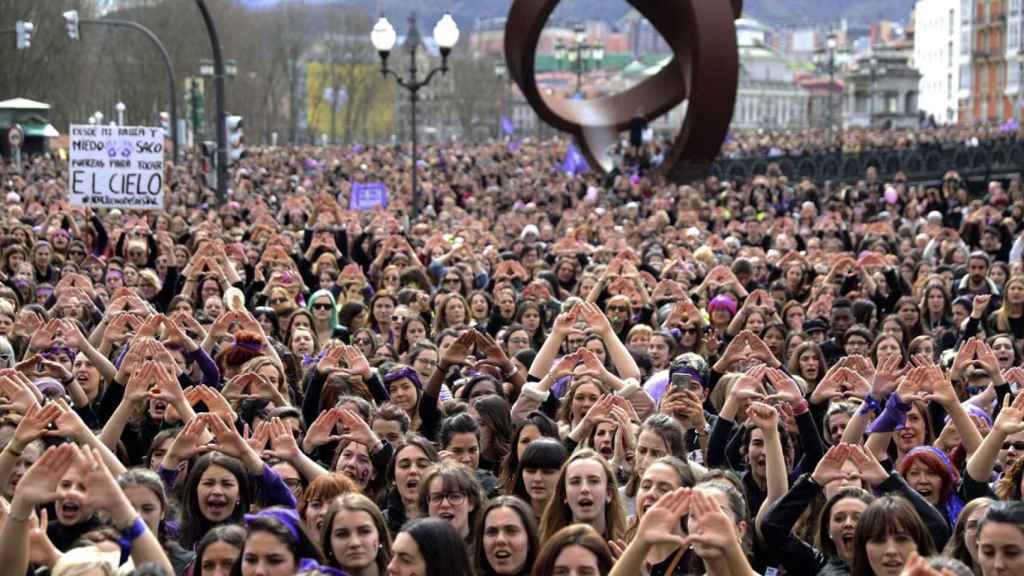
[(825, 543), (547, 428), (193, 524), (525, 515), (443, 551)]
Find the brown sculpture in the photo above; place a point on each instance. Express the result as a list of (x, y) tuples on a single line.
[(704, 71)]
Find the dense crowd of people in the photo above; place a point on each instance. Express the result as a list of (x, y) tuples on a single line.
[(778, 143), (518, 371)]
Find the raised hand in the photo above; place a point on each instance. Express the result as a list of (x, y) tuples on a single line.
[(492, 351), (34, 425), (870, 469), (282, 442), (186, 443), (660, 524), (830, 467), (785, 387), (763, 416), (714, 527), (39, 484), (456, 354), (886, 377), (322, 431), (231, 443), (942, 390), (1011, 418), (18, 390), (749, 385), (356, 429)]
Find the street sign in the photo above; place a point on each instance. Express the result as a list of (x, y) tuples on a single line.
[(15, 136)]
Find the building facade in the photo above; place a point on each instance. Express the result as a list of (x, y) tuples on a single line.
[(989, 39), (937, 58), (881, 90)]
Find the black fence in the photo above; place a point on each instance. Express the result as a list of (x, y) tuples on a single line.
[(994, 159)]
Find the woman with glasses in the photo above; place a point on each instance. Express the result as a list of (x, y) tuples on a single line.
[(325, 315), (452, 493)]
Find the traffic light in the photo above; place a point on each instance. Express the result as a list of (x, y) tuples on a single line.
[(236, 138), (165, 123), (208, 150), (71, 18), (24, 32)]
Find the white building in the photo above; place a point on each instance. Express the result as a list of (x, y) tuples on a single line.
[(767, 95), (937, 57)]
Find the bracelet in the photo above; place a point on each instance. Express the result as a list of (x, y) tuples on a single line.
[(9, 449), (129, 535), (132, 533)]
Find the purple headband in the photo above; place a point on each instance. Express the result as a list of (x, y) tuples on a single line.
[(406, 372), (250, 346), (286, 516), (974, 410), (942, 456), (687, 370)]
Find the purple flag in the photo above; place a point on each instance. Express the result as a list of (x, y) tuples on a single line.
[(514, 146), (574, 163), (506, 125), (367, 196)]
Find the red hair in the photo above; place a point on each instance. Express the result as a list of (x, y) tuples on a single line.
[(932, 461), (247, 345)]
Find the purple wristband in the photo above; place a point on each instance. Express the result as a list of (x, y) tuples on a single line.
[(892, 418)]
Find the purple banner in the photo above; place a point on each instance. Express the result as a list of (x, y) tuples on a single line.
[(367, 196)]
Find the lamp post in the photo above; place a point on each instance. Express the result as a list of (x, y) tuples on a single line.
[(120, 107), (222, 126), (73, 21), (831, 81), (579, 55), (98, 116), (383, 37)]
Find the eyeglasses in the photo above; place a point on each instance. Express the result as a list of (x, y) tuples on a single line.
[(363, 341), (618, 309), (277, 301), (293, 482), (1018, 446), (451, 281), (321, 306), (454, 498), (688, 330)]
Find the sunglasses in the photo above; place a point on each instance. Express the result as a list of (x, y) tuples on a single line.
[(319, 306), (363, 341), (76, 253), (277, 301), (1018, 446)]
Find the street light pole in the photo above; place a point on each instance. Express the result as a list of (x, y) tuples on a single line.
[(446, 34), (171, 79), (222, 127), (831, 83)]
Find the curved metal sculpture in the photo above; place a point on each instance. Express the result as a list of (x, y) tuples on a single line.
[(704, 71)]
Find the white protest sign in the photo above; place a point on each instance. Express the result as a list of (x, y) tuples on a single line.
[(116, 167)]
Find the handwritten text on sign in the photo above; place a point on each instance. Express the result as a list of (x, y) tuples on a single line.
[(117, 167)]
